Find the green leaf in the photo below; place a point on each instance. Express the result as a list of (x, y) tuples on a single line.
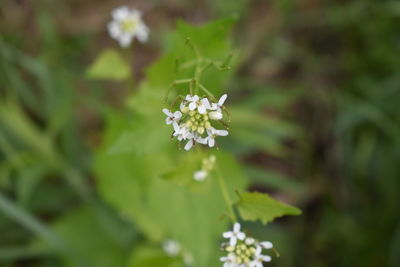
[(258, 206), (109, 65)]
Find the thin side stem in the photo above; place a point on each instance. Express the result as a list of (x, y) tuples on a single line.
[(225, 194), (202, 87)]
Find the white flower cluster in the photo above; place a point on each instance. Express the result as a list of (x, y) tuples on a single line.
[(194, 120), (206, 166), (243, 251), (127, 23)]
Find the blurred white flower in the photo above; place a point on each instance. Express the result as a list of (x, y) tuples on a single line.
[(206, 167), (200, 175), (188, 259), (127, 24), (171, 247)]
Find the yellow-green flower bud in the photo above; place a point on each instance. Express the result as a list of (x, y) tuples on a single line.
[(200, 130), (230, 248)]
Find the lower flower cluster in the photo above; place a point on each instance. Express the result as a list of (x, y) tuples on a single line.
[(243, 251), (194, 121)]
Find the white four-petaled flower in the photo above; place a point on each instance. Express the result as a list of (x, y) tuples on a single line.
[(218, 106), (229, 261), (171, 117), (201, 104), (127, 24), (259, 258), (212, 133), (234, 235)]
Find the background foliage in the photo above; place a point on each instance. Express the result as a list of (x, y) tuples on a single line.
[(313, 94)]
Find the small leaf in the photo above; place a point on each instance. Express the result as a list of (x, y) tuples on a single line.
[(109, 65), (258, 206)]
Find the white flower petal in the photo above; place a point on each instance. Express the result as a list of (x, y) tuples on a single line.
[(125, 40), (189, 145), (233, 241), (202, 109), (222, 132), (215, 115), (265, 258), (192, 106), (227, 234), (258, 251), (202, 141), (120, 13), (177, 115), (241, 236), (266, 244), (206, 103), (249, 241), (142, 33), (211, 141), (221, 101), (177, 129), (167, 112), (236, 228), (113, 29)]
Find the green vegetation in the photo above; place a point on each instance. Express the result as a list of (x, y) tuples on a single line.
[(90, 177)]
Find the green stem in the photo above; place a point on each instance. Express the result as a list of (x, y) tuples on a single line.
[(225, 194), (202, 87), (130, 82)]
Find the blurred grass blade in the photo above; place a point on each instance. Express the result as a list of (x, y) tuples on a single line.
[(26, 220)]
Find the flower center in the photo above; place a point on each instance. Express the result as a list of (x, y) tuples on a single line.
[(244, 253), (197, 122), (128, 25)]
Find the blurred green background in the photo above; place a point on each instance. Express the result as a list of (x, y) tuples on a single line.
[(316, 94)]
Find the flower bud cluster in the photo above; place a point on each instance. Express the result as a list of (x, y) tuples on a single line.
[(194, 121), (243, 251)]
